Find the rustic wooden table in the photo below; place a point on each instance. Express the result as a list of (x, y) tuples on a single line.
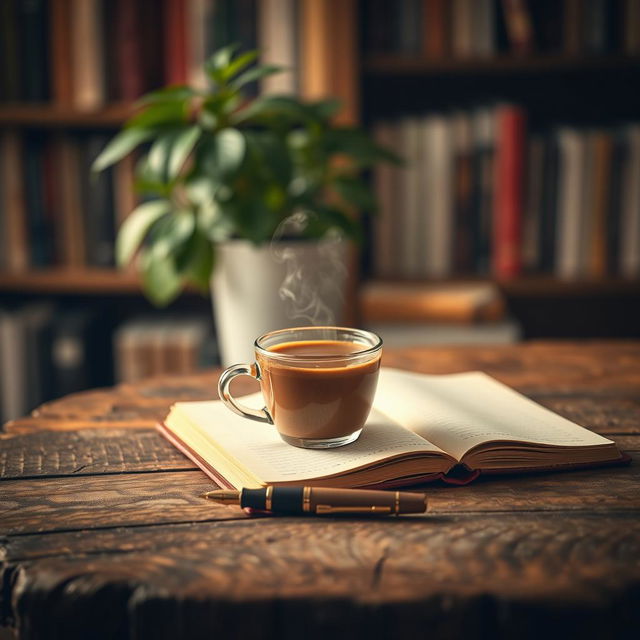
[(104, 535)]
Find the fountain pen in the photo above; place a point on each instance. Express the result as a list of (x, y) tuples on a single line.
[(322, 501)]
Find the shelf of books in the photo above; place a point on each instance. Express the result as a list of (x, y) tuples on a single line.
[(70, 73), (517, 169)]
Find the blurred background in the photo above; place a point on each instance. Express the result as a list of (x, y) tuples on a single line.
[(516, 215)]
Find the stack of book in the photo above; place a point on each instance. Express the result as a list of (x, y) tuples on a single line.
[(85, 54), (48, 352), (475, 28), (155, 346), (478, 195)]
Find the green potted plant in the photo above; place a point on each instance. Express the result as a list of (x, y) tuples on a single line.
[(217, 170)]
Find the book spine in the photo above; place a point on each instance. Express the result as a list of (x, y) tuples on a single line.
[(573, 20), (128, 50), (11, 74), (518, 23), (463, 193), (438, 246), (549, 213), (597, 256), (13, 387), (276, 38), (97, 192), (87, 59), (630, 27), (436, 18), (34, 201), (630, 223), (411, 240), (34, 54), (72, 237), (571, 202), (175, 41), (508, 204), (61, 55), (462, 28), (385, 226), (531, 243), (15, 233), (484, 26)]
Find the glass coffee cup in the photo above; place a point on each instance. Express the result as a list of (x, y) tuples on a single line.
[(318, 383)]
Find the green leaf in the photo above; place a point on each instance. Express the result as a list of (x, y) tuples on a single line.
[(327, 218), (167, 94), (238, 64), (326, 109), (272, 155), (257, 73), (183, 145), (160, 278), (136, 226), (158, 156), (355, 192), (196, 264), (122, 144), (160, 113), (273, 107), (358, 145), (171, 233), (228, 151), (219, 60)]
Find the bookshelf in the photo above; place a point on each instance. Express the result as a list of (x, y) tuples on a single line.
[(561, 70), (334, 58)]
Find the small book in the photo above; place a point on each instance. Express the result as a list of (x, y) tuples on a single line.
[(422, 427)]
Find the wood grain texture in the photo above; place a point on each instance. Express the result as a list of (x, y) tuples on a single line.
[(87, 452), (103, 533), (213, 575), (53, 504)]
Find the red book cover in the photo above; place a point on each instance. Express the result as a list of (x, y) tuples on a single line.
[(436, 28), (508, 200), (128, 51), (175, 41)]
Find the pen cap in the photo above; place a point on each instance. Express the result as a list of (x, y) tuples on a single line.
[(396, 501)]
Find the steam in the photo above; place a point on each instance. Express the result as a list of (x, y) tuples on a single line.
[(307, 288)]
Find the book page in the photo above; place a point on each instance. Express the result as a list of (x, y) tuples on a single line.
[(258, 447), (459, 411)]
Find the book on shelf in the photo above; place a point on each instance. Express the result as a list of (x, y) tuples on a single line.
[(479, 194), (421, 428), (152, 346), (468, 29), (277, 36), (508, 199), (14, 218), (451, 302)]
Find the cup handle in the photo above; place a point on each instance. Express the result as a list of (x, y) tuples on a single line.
[(252, 370)]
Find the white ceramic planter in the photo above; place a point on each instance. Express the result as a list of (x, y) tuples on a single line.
[(255, 290)]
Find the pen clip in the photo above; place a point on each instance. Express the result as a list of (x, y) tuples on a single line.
[(327, 508)]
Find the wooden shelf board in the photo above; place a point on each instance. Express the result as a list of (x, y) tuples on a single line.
[(67, 281), (548, 286), (45, 115), (529, 286), (384, 64)]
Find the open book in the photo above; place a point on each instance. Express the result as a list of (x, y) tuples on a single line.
[(422, 427)]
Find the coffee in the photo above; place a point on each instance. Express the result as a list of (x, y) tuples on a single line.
[(316, 389), (318, 383)]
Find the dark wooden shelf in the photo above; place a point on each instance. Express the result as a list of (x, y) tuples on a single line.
[(45, 115), (68, 281), (385, 64), (548, 286)]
